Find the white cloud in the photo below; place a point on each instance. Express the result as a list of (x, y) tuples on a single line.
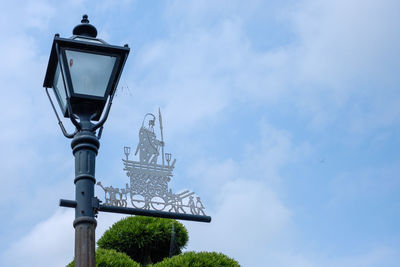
[(379, 256), (51, 242), (343, 42), (198, 74), (342, 52), (38, 14), (262, 160), (48, 242), (248, 220), (345, 59), (340, 67)]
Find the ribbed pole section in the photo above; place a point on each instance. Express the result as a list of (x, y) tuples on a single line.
[(85, 146)]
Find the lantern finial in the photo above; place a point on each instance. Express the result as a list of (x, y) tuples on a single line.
[(85, 28), (85, 19)]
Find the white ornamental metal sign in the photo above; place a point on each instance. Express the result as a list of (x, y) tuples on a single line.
[(148, 178)]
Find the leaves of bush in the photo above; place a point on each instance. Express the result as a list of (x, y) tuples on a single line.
[(144, 239), (198, 259), (111, 258)]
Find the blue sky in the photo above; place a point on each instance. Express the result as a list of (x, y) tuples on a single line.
[(283, 116)]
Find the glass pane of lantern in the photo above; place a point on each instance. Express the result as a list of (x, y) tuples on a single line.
[(59, 88), (90, 73)]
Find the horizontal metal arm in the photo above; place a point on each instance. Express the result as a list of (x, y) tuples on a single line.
[(142, 212), (68, 203), (155, 213)]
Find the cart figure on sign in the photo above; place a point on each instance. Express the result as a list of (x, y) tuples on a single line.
[(148, 188)]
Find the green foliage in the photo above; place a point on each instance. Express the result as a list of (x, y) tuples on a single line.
[(111, 258), (144, 239), (198, 259)]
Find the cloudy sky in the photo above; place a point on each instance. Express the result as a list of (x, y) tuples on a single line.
[(283, 116)]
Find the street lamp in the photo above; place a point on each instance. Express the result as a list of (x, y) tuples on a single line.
[(84, 71)]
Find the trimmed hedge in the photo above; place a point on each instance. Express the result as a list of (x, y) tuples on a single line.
[(144, 239), (198, 259), (111, 258)]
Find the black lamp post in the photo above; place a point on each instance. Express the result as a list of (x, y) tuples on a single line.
[(84, 71)]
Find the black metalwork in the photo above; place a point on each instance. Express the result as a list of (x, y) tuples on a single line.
[(85, 29), (83, 111), (141, 212)]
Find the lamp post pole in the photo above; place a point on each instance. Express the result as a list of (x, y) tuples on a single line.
[(83, 72), (85, 145)]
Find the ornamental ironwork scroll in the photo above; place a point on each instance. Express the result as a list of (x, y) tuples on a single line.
[(148, 179)]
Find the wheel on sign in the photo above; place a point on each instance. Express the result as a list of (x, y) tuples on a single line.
[(138, 201), (158, 203)]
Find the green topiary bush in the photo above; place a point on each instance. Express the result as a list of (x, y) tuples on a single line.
[(198, 259), (111, 258), (145, 239)]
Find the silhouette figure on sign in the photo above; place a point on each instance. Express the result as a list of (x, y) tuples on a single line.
[(200, 207), (192, 206), (149, 145)]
